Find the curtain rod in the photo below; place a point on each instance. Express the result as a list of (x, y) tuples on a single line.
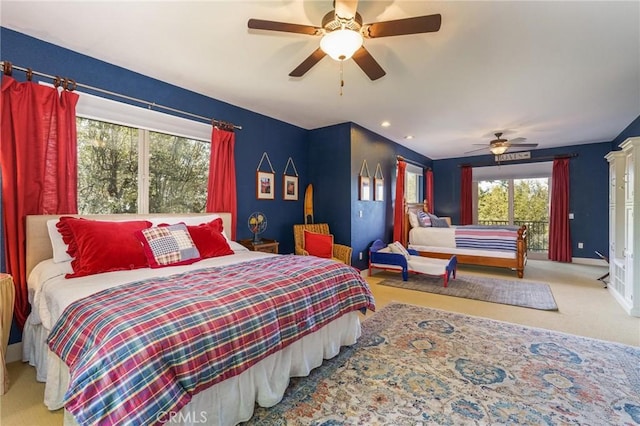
[(415, 163), (528, 160), (71, 85)]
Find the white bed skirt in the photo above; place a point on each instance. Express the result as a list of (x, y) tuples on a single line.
[(228, 402)]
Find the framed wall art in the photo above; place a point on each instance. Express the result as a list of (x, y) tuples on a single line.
[(378, 184), (365, 188), (290, 183), (364, 182), (264, 185), (265, 188)]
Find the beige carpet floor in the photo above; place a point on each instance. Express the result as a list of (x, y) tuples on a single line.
[(585, 308)]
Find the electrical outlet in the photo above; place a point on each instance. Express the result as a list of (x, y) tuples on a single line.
[(360, 213), (580, 245), (360, 256), (570, 215)]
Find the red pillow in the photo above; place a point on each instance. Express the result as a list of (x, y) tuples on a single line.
[(209, 240), (102, 246), (320, 245)]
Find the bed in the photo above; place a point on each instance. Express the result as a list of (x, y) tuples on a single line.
[(499, 246), (260, 346)]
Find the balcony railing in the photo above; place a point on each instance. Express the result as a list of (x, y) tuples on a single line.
[(537, 232)]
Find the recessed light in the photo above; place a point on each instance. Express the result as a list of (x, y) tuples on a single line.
[(409, 137), (385, 124)]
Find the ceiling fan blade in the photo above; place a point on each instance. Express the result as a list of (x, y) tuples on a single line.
[(346, 9), (517, 140), (415, 25), (365, 61), (476, 150), (260, 24), (523, 145), (308, 63)]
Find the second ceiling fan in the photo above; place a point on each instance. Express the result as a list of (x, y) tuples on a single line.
[(343, 34)]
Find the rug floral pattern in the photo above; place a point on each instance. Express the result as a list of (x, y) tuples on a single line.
[(415, 366)]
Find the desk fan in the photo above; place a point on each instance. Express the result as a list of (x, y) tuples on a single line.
[(257, 225)]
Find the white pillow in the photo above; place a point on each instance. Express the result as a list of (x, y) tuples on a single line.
[(397, 247), (57, 244), (413, 219)]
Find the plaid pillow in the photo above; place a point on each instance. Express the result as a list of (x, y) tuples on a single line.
[(168, 245)]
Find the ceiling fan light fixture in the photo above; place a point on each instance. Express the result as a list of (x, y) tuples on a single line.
[(498, 149), (341, 44)]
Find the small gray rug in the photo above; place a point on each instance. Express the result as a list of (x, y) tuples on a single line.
[(497, 290)]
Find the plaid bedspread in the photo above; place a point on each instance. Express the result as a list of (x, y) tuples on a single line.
[(142, 349), (489, 237)]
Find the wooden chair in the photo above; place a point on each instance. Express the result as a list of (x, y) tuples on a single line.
[(340, 252)]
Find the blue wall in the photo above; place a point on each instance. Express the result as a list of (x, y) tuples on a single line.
[(329, 167), (588, 192), (377, 216), (336, 155)]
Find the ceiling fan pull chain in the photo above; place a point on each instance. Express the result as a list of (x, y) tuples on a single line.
[(341, 78)]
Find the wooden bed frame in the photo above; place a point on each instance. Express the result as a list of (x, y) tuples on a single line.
[(518, 263)]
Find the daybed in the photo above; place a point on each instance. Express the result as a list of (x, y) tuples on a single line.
[(491, 245), (394, 257), (194, 343)]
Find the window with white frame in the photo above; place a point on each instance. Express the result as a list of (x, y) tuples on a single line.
[(413, 184), (134, 160)]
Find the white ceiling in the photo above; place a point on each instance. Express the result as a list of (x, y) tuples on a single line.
[(556, 72)]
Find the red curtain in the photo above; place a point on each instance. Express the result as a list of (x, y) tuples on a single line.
[(559, 232), (466, 197), (38, 157), (428, 176), (221, 195), (398, 210)]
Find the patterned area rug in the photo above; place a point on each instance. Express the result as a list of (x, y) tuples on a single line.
[(527, 294), (415, 366)]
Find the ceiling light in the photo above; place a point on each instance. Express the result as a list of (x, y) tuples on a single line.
[(498, 149), (409, 137), (385, 124), (341, 44)]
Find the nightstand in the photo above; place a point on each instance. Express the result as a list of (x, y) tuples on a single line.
[(265, 245)]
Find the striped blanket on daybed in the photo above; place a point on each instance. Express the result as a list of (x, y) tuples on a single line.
[(487, 237), (142, 349)]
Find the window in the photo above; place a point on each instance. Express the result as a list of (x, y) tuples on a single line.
[(413, 184), (133, 160)]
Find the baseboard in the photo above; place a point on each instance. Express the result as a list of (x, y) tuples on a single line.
[(588, 261), (14, 353)]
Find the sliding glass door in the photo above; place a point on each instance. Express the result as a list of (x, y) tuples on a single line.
[(516, 202)]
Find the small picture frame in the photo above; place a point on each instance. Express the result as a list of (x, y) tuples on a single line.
[(365, 188), (378, 184), (290, 188), (264, 185)]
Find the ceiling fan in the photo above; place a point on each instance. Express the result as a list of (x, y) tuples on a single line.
[(343, 34), (499, 145)]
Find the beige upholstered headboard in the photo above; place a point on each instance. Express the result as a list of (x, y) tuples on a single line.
[(39, 245)]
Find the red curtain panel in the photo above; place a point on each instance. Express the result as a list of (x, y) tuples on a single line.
[(398, 209), (428, 174), (466, 198), (38, 157), (559, 231), (221, 194)]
